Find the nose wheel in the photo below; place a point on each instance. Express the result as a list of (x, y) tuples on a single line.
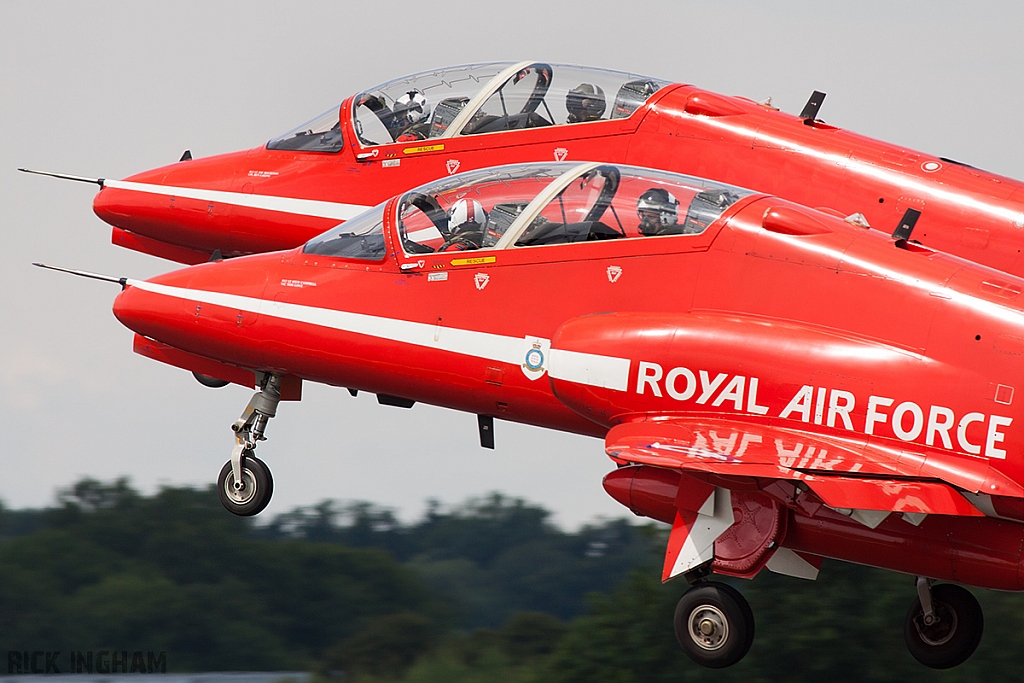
[(245, 484), (714, 624), (249, 494), (944, 625)]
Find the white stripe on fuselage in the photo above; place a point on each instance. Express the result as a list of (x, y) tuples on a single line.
[(301, 207), (573, 366)]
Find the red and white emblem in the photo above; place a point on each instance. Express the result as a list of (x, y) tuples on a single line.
[(614, 273), (561, 153), (481, 280), (452, 165)]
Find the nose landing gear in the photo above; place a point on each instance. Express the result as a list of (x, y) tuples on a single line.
[(245, 484)]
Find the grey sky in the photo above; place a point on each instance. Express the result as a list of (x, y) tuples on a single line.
[(110, 89)]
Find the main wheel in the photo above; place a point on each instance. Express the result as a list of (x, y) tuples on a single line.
[(253, 495), (955, 633), (714, 625)]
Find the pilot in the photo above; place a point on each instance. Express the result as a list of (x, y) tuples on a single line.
[(466, 221), (410, 117), (659, 212), (585, 102)]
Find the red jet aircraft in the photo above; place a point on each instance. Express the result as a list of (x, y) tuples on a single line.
[(411, 130), (776, 383)]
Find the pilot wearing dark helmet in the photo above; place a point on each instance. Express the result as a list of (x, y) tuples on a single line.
[(585, 102), (659, 213)]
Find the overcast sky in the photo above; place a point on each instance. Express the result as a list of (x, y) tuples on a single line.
[(113, 88)]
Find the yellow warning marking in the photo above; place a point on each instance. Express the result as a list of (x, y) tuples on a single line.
[(473, 261), (423, 148)]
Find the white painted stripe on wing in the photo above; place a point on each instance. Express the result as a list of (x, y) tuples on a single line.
[(572, 366), (301, 207)]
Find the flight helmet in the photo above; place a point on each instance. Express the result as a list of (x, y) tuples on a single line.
[(585, 102), (466, 215), (658, 210), (411, 107)]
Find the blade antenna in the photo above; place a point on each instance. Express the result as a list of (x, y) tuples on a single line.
[(906, 227), (813, 106)]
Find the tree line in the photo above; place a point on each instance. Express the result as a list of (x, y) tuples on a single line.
[(488, 590)]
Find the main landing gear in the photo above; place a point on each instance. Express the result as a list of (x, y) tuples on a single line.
[(714, 624), (944, 625), (245, 484)]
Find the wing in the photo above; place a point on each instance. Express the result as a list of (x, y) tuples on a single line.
[(865, 479), (845, 473)]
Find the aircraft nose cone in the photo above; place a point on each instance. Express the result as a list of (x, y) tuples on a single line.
[(105, 206), (210, 310), (144, 312)]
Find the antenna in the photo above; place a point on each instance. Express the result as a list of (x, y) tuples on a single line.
[(123, 281), (66, 176), (813, 106)]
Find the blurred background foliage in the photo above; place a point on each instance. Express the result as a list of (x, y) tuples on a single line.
[(488, 590)]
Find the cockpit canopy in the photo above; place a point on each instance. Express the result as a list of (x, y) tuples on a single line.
[(475, 99), (494, 97), (528, 205)]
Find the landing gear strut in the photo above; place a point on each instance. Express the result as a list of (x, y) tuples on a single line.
[(245, 484), (714, 624), (944, 625)]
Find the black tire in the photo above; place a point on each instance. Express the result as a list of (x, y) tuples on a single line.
[(255, 497), (714, 625), (955, 637)]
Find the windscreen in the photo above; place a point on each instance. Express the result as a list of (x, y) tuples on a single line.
[(321, 134), (360, 238)]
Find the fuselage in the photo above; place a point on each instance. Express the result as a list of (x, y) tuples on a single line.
[(839, 332)]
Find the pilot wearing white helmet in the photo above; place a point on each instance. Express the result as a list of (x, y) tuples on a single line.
[(466, 221), (410, 117)]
